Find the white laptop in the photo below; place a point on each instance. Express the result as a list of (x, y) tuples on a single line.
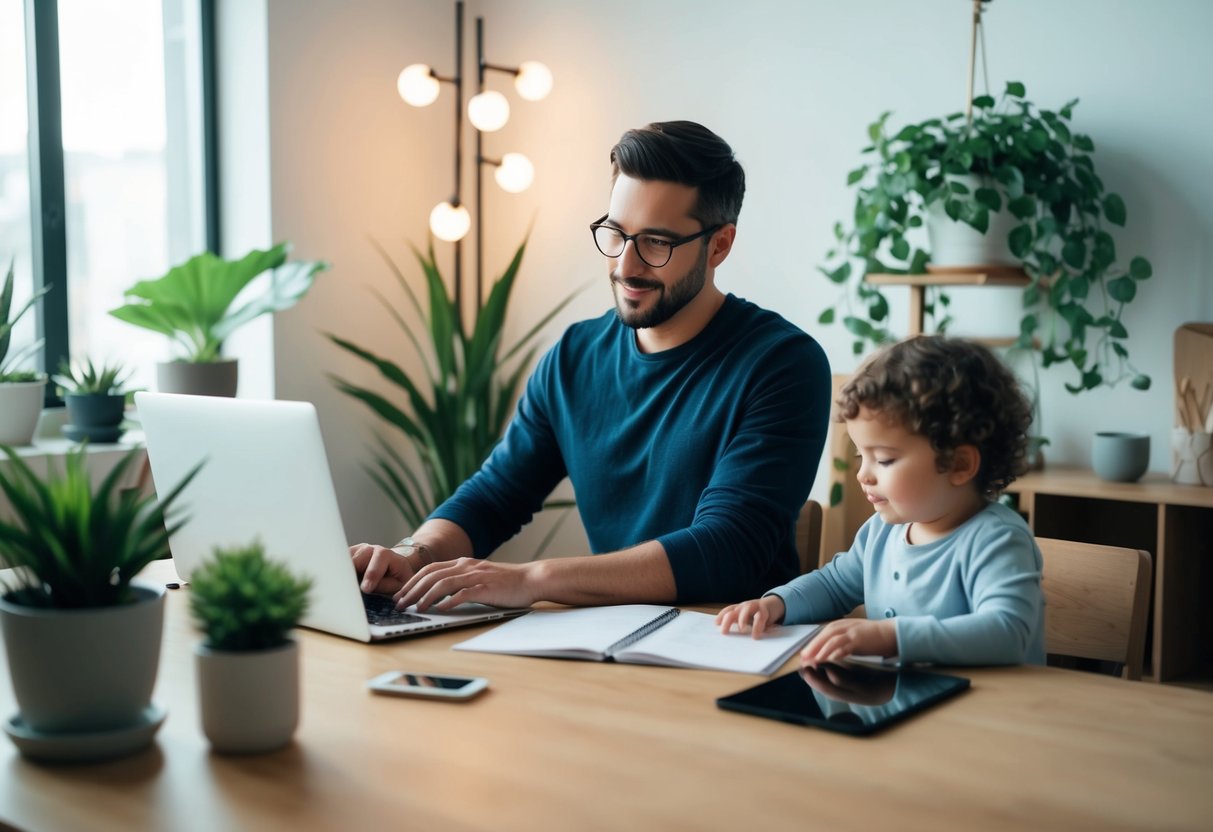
[(266, 476)]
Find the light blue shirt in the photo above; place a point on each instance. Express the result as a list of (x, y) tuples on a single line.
[(971, 598)]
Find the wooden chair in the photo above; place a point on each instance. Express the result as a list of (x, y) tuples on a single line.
[(1096, 601), (808, 536)]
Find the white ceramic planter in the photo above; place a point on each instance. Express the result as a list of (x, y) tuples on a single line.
[(957, 245), (84, 670), (1193, 457), (249, 699), (20, 404)]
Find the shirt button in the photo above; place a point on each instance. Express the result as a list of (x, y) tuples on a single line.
[(897, 576), (889, 612)]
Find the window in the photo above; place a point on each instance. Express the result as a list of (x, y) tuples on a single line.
[(130, 86), (16, 238)]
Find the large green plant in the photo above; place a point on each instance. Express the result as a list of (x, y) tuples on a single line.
[(7, 322), (1030, 163), (244, 601), (456, 412), (192, 304), (78, 546)]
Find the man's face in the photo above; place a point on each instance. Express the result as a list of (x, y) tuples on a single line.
[(645, 296)]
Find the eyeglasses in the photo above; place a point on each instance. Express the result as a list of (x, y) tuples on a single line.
[(655, 251)]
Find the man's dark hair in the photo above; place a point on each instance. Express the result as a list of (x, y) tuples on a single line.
[(689, 154), (954, 393)]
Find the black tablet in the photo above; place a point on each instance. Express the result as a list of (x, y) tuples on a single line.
[(849, 698)]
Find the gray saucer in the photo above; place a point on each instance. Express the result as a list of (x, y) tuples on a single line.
[(88, 746), (103, 435)]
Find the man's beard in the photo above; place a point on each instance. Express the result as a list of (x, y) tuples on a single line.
[(670, 300)]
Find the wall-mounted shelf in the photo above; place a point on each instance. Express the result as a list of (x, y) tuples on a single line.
[(1012, 276)]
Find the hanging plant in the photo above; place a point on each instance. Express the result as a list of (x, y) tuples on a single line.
[(1013, 157)]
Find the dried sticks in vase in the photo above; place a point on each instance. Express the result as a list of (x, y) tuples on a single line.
[(1195, 413)]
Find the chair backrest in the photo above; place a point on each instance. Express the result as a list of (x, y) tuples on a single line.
[(1096, 601), (808, 535)]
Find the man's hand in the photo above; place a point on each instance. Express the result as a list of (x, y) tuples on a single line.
[(850, 636), (755, 616), (447, 584), (384, 571)]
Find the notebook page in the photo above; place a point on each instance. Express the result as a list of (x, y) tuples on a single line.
[(693, 640), (580, 633)]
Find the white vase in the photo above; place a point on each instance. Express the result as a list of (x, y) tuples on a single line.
[(1193, 457), (20, 405), (249, 699), (958, 245)]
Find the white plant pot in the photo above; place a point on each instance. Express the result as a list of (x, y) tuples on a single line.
[(84, 670), (958, 245), (249, 699), (20, 405)]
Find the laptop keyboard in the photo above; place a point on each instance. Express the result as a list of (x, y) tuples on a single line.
[(382, 610)]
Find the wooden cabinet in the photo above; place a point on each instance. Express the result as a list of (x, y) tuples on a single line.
[(1172, 522)]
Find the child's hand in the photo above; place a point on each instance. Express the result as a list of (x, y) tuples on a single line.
[(850, 636), (754, 616)]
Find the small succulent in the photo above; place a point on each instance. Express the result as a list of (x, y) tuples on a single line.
[(86, 379), (242, 600), (77, 546)]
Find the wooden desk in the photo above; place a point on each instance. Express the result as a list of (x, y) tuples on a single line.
[(581, 745), (1172, 522)]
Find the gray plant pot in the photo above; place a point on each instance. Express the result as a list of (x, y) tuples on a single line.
[(20, 405), (77, 671), (1120, 457), (249, 699), (96, 417), (213, 378)]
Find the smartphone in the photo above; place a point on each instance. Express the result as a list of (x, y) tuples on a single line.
[(431, 685)]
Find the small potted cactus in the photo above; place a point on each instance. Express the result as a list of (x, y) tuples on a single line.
[(248, 666)]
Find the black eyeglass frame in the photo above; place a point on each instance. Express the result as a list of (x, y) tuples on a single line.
[(601, 223)]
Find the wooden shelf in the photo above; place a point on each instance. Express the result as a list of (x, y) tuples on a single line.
[(947, 277), (1172, 522), (993, 276)]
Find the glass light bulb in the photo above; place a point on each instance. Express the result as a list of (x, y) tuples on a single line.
[(488, 111), (417, 86), (515, 173), (450, 222), (533, 81)]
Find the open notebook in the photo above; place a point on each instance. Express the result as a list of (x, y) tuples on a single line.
[(641, 634)]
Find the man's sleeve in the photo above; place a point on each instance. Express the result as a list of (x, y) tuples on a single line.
[(748, 509), (499, 499)]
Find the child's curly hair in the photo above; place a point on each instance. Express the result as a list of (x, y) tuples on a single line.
[(954, 393)]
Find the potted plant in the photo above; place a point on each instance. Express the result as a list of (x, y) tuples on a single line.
[(476, 376), (1019, 175), (82, 635), (193, 305), (21, 391), (95, 400), (248, 666)]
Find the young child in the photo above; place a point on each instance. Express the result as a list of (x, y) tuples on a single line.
[(946, 574)]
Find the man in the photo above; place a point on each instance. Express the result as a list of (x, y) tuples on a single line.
[(690, 423)]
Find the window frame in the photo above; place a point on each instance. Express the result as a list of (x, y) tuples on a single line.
[(48, 227)]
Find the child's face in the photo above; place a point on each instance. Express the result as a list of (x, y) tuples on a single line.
[(898, 473)]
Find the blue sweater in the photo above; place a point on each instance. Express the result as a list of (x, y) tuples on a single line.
[(709, 448), (972, 597)]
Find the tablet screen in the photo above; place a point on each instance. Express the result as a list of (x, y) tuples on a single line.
[(847, 698)]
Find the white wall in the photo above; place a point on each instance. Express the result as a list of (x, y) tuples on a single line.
[(791, 84)]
